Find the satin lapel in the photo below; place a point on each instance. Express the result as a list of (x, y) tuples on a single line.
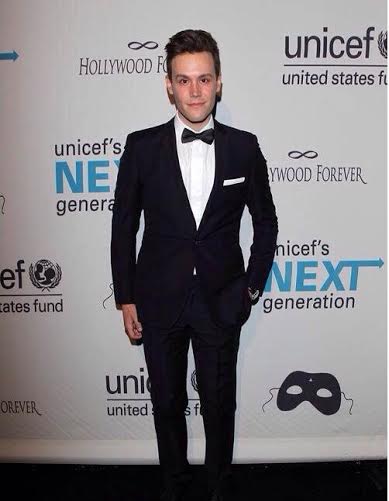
[(172, 157), (220, 152)]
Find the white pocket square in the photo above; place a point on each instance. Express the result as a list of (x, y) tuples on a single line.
[(233, 180)]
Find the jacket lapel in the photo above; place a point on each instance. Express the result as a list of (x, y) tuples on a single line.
[(172, 158), (219, 168)]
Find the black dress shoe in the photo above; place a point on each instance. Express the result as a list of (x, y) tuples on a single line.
[(175, 493), (222, 496), (217, 496), (171, 495), (174, 490), (224, 493)]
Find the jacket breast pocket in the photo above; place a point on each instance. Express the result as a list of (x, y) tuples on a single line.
[(233, 181), (234, 188)]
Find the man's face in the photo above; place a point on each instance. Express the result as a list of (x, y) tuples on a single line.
[(194, 87)]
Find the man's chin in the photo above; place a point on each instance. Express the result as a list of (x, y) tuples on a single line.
[(197, 119)]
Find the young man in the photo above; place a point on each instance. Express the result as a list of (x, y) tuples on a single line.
[(192, 176)]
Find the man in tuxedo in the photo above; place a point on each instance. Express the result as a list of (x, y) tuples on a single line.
[(192, 177)]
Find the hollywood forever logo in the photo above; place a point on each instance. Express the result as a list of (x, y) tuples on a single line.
[(140, 60), (306, 278), (307, 167), (357, 59), (129, 395), (33, 288)]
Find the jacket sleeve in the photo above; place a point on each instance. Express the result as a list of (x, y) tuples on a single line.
[(265, 224), (125, 224)]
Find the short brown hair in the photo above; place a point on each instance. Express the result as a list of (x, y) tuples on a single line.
[(191, 41)]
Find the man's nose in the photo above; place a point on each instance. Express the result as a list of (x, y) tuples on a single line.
[(194, 89)]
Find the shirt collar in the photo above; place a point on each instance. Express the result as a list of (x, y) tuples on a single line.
[(180, 125)]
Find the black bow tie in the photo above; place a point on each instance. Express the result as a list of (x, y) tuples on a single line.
[(207, 136)]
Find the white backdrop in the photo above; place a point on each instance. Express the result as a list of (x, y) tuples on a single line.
[(84, 75)]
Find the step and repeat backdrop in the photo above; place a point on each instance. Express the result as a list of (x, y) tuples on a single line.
[(309, 79)]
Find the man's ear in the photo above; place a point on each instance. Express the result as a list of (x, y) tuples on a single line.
[(219, 84), (169, 87)]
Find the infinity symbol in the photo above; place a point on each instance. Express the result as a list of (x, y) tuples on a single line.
[(138, 45), (298, 154)]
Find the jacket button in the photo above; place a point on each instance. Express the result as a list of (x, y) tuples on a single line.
[(197, 242)]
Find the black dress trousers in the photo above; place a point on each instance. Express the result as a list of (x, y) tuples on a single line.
[(215, 354)]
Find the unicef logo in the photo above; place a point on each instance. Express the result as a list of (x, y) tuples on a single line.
[(193, 380), (45, 275), (2, 203), (383, 44)]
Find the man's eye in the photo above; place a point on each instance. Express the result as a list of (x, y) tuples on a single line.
[(205, 80), (183, 81)]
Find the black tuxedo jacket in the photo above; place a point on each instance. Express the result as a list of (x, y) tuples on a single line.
[(158, 281)]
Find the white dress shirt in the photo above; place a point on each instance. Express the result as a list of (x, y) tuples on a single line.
[(197, 163)]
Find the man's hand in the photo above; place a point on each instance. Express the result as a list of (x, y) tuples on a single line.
[(132, 326)]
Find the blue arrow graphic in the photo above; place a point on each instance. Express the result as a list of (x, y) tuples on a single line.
[(356, 264), (9, 55), (363, 262)]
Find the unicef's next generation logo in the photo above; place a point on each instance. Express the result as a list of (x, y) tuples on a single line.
[(308, 279), (89, 169)]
